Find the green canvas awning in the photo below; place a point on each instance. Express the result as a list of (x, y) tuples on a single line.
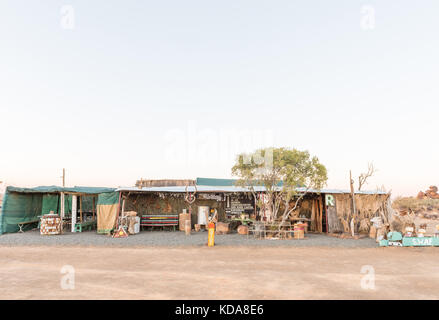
[(27, 204)]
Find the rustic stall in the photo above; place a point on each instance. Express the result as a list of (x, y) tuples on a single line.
[(23, 207)]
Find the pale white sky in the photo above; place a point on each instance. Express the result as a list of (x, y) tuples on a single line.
[(175, 89)]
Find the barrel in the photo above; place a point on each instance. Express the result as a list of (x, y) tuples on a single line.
[(299, 231), (203, 214), (50, 224)]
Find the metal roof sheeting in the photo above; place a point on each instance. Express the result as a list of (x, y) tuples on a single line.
[(232, 189)]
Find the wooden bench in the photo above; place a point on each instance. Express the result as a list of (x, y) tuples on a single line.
[(86, 225), (22, 224), (159, 220)]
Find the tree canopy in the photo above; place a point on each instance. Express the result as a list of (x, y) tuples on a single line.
[(281, 171)]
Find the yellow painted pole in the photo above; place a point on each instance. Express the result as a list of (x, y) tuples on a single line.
[(211, 235)]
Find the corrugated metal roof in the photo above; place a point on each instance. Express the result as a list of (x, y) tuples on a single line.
[(232, 189), (178, 189), (221, 182), (215, 182)]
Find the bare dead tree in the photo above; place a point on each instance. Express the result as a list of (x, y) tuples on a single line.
[(362, 179)]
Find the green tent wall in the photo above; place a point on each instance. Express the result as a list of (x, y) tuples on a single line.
[(27, 204)]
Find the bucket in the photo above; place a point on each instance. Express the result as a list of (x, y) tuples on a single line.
[(299, 231)]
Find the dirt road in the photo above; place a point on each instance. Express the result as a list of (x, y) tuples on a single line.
[(218, 273)]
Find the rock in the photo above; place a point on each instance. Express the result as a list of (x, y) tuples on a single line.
[(421, 195), (243, 229)]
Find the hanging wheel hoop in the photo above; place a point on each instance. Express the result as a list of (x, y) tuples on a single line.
[(189, 198)]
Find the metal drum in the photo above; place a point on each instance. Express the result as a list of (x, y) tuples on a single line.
[(203, 215), (50, 224)]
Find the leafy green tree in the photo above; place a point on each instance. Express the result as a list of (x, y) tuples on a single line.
[(287, 175)]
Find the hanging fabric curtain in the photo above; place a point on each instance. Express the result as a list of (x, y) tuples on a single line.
[(107, 209)]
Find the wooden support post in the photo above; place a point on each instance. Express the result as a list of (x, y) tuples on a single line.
[(354, 209), (94, 208), (321, 215), (62, 213), (80, 208), (118, 211), (74, 205), (62, 210)]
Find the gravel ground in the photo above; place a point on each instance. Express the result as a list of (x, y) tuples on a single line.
[(173, 239)]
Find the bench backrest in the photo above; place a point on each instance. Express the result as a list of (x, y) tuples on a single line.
[(159, 220)]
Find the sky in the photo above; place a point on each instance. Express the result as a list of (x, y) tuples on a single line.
[(115, 91)]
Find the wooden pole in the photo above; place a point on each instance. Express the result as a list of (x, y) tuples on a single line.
[(321, 212), (74, 205), (118, 210), (80, 208), (354, 209), (62, 213), (94, 202), (123, 206), (313, 222)]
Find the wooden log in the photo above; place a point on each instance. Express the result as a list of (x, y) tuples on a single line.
[(183, 217), (372, 232), (313, 226), (187, 227), (222, 228), (243, 229), (318, 216), (321, 214)]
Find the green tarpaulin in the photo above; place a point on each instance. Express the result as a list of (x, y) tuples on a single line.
[(17, 208), (50, 203), (107, 210), (56, 189), (108, 198), (27, 204)]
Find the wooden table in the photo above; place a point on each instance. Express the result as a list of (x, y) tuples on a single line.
[(276, 229)]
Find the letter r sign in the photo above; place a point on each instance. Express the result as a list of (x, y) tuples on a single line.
[(329, 199)]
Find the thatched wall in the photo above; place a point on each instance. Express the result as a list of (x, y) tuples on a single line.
[(367, 207)]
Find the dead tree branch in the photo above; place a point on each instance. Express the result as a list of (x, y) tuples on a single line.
[(362, 179)]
